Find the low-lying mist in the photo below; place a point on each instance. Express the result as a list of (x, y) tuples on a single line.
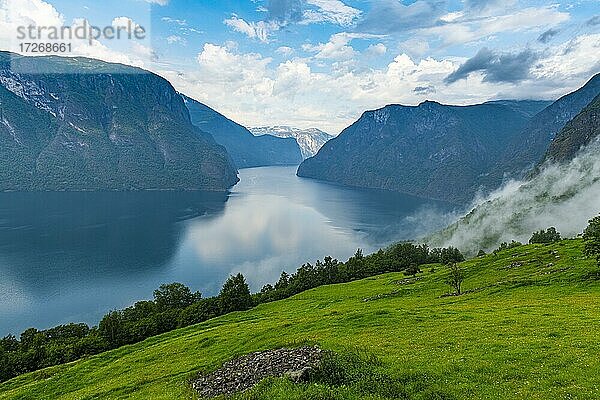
[(564, 196)]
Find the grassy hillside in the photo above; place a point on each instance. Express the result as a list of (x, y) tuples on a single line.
[(526, 329)]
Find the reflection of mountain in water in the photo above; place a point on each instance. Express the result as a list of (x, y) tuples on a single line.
[(382, 217), (74, 256), (45, 237)]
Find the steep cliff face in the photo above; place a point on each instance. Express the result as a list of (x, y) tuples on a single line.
[(246, 149), (576, 135), (527, 148), (431, 150), (563, 191), (81, 124)]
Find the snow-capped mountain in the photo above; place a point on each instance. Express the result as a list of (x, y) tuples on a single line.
[(310, 140)]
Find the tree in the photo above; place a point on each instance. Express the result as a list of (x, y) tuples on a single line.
[(283, 282), (175, 296), (413, 270), (200, 311), (507, 246), (545, 237), (402, 255), (267, 289), (455, 277), (235, 294), (329, 270), (111, 328), (355, 266), (139, 311), (306, 277), (591, 236), (451, 255)]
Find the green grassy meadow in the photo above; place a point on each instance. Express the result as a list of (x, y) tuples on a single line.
[(527, 328)]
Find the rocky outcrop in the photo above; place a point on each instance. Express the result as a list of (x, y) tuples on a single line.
[(245, 372)]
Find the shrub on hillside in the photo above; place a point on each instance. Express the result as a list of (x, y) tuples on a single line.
[(507, 246), (413, 270), (591, 236), (545, 237)]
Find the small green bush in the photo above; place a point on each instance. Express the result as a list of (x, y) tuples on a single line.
[(545, 237), (591, 236)]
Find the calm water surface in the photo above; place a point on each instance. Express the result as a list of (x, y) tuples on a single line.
[(67, 257)]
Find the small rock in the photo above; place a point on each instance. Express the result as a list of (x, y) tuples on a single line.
[(300, 375), (245, 372)]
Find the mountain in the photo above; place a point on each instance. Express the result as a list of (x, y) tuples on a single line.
[(310, 140), (577, 134), (563, 192), (246, 149), (73, 124), (430, 150), (529, 147)]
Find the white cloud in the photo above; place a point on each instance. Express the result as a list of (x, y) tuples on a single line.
[(124, 22), (284, 13), (99, 51), (15, 13), (180, 22), (255, 30), (460, 29), (573, 58), (489, 7), (144, 52), (453, 16), (159, 2), (479, 19), (378, 49), (312, 91), (331, 11), (230, 69), (248, 88), (285, 51), (338, 47), (571, 194), (176, 39), (416, 47)]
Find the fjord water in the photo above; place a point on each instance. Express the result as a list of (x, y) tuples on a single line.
[(72, 257)]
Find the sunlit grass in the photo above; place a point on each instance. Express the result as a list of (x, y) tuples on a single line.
[(527, 328)]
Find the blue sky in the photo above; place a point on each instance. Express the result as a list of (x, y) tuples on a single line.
[(322, 63)]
